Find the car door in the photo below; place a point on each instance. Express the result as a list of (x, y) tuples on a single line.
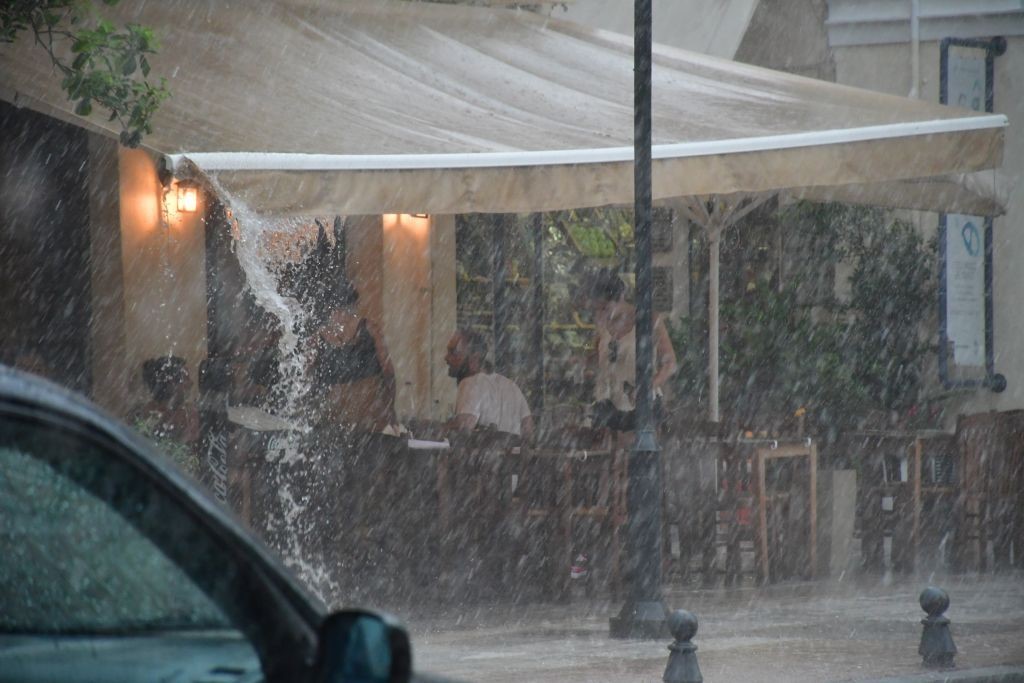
[(112, 568)]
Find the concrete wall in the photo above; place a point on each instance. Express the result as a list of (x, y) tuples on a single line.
[(404, 268), (110, 374), (364, 242), (887, 68), (407, 307), (163, 262), (45, 283), (789, 36), (443, 318)]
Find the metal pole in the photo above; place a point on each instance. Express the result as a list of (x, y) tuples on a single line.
[(643, 615), (499, 292), (537, 227), (714, 244)]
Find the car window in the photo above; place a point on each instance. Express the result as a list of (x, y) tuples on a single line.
[(73, 564), (82, 554)]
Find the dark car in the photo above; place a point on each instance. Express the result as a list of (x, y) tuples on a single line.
[(114, 566)]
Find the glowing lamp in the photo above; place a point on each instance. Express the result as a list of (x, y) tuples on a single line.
[(188, 197)]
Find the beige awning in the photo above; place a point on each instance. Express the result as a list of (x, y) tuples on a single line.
[(985, 193), (373, 106)]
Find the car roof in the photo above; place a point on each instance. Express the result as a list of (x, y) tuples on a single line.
[(48, 400)]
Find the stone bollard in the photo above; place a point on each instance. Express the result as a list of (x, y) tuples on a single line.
[(682, 663), (937, 648)]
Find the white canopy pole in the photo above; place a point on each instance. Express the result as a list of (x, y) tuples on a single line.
[(714, 215), (714, 243)]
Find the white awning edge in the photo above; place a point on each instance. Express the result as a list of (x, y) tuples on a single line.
[(282, 161)]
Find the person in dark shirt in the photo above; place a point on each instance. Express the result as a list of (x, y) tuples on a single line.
[(351, 404), (170, 413), (352, 380)]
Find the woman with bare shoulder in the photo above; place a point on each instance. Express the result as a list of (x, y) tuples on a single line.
[(352, 379), (615, 353)]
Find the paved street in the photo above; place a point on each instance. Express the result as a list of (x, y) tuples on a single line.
[(820, 631)]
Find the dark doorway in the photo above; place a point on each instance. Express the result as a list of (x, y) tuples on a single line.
[(44, 246)]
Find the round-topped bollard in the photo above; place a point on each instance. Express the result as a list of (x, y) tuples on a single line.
[(682, 660), (937, 649), (934, 601)]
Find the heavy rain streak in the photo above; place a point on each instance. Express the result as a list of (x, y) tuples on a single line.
[(703, 366)]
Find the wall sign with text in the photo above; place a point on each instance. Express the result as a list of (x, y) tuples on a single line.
[(966, 348)]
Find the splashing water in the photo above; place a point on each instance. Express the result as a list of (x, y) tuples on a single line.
[(251, 227), (250, 231)]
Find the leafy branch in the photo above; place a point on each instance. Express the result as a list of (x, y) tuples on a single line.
[(109, 67), (785, 348)]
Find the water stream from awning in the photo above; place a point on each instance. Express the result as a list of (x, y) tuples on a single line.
[(248, 230)]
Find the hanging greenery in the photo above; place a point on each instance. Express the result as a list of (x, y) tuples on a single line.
[(108, 67)]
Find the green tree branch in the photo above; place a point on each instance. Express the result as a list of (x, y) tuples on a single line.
[(109, 67)]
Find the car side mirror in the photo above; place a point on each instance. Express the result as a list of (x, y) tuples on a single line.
[(357, 646)]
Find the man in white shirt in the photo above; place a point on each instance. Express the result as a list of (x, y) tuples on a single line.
[(484, 399)]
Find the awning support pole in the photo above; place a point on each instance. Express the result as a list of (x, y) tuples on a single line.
[(643, 614), (499, 291), (538, 313), (714, 252), (714, 215)]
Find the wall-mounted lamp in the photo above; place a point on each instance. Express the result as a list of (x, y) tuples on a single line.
[(408, 223), (188, 196)]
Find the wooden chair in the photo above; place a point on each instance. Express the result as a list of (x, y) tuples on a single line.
[(571, 501)]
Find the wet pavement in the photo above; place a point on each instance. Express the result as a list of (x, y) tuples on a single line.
[(815, 631)]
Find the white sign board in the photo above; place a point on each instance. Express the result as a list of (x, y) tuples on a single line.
[(965, 235), (965, 288), (965, 84)]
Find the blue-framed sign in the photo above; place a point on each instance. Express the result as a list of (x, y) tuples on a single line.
[(966, 340)]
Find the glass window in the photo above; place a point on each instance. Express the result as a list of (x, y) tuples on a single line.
[(75, 565), (90, 546)]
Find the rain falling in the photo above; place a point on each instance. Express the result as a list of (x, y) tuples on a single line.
[(388, 340)]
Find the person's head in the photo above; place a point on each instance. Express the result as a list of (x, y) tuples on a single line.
[(606, 295), (166, 377), (335, 294), (466, 352), (214, 375)]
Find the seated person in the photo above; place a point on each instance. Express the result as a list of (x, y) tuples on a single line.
[(352, 379), (169, 414), (484, 399)]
